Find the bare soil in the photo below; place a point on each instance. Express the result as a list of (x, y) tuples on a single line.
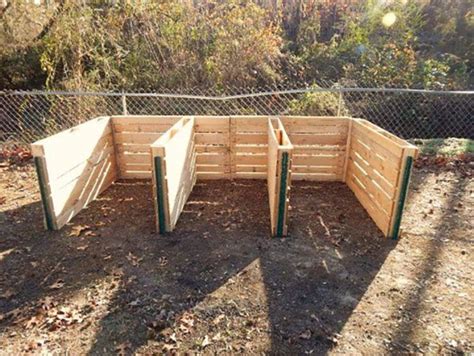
[(107, 284)]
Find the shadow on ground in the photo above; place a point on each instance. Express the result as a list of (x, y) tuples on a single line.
[(310, 282)]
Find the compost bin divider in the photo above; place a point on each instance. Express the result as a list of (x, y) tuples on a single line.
[(76, 165)]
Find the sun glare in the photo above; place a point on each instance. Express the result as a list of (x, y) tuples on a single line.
[(389, 19)]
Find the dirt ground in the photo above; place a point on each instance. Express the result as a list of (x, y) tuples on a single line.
[(107, 284)]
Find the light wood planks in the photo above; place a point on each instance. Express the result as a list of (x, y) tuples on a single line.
[(319, 146), (373, 170), (176, 150), (236, 146), (279, 173), (77, 165)]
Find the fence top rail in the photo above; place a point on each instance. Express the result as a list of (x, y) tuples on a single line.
[(239, 96)]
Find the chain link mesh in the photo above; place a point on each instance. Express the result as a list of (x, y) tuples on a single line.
[(29, 116)]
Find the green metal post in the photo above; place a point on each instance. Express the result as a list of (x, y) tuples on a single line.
[(282, 195), (402, 198), (47, 208), (159, 195)]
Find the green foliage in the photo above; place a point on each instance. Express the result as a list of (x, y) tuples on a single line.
[(318, 103), (167, 44)]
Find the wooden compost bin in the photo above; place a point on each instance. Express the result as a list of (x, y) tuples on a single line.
[(76, 165)]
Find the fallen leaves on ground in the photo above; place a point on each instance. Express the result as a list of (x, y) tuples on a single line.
[(76, 230)]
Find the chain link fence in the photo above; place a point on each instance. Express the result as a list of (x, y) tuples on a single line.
[(29, 116)]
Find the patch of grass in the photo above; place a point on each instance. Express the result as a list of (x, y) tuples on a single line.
[(444, 146)]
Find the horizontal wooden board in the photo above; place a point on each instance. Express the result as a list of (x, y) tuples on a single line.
[(384, 143), (378, 195), (212, 124), (212, 175), (309, 129), (318, 139), (212, 168), (151, 127), (317, 177), (136, 175), (251, 138), (220, 159), (250, 149), (142, 138), (387, 185), (240, 168), (211, 149), (212, 138), (319, 149), (380, 218), (317, 169), (250, 175), (145, 119), (318, 160), (260, 159), (69, 200), (387, 167), (137, 148)]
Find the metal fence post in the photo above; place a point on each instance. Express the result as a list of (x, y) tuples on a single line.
[(339, 103), (124, 104)]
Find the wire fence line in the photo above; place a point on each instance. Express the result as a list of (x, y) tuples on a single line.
[(26, 116)]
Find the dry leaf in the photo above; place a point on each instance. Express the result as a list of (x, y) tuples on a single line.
[(205, 342), (78, 229), (82, 248), (218, 319), (7, 294), (306, 335), (122, 348), (57, 285)]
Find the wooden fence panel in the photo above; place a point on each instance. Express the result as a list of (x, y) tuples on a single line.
[(173, 158), (279, 158), (319, 146), (74, 167), (375, 169)]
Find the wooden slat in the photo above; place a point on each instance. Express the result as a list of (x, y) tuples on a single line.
[(319, 150), (211, 149), (251, 149), (211, 168), (145, 119), (212, 124), (386, 185), (316, 177), (336, 170), (176, 149), (212, 175), (250, 175), (260, 159), (142, 138), (150, 127), (251, 138), (212, 138), (219, 159), (384, 142), (318, 139), (318, 160), (386, 167), (69, 196), (379, 197), (380, 219), (250, 168)]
